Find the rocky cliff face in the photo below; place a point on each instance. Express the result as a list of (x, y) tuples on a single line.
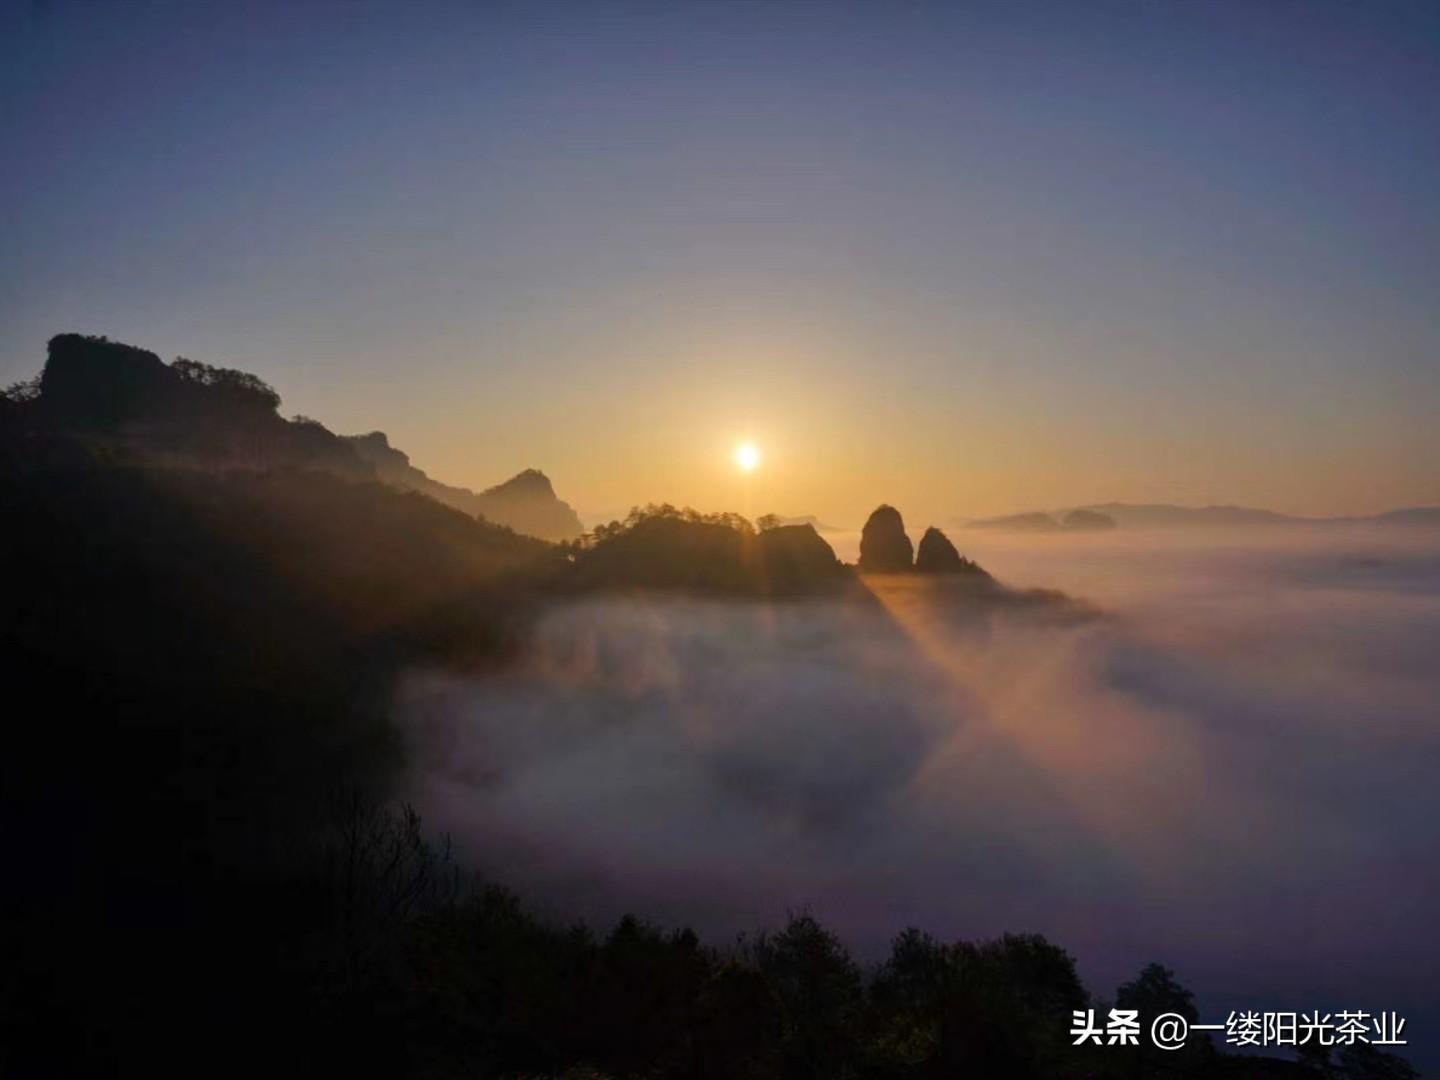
[(130, 401), (94, 382), (884, 547), (937, 555)]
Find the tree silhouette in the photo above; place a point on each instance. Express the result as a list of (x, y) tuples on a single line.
[(818, 992)]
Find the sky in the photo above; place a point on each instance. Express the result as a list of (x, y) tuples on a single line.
[(966, 258)]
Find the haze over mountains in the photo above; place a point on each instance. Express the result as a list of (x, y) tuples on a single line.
[(1167, 516), (1071, 521)]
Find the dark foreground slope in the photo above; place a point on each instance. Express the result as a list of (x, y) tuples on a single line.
[(204, 606), (197, 676)]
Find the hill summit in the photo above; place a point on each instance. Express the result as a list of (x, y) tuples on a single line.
[(884, 546), (528, 504)]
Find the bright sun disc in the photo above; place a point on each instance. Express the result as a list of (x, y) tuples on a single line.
[(747, 456)]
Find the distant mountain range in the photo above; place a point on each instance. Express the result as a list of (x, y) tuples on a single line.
[(1079, 520), (1166, 516)]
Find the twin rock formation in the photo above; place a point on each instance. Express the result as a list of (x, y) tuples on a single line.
[(886, 549)]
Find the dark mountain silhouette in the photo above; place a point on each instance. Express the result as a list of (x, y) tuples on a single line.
[(937, 555), (794, 558), (526, 503), (671, 548), (101, 391), (884, 547), (663, 547), (127, 399)]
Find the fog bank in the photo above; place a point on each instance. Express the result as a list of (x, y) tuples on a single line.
[(1232, 772)]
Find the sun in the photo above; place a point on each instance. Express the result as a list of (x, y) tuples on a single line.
[(747, 457)]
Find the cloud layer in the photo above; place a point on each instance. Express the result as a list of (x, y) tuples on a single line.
[(1232, 772)]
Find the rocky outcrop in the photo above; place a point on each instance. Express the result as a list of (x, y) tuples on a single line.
[(527, 503), (936, 554), (129, 400), (884, 547), (95, 382)]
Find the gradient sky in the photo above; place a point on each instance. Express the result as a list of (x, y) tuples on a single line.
[(969, 258)]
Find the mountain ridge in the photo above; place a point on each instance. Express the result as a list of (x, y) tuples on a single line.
[(526, 502), (123, 399)]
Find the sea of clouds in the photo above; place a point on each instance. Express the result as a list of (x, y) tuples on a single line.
[(1233, 769)]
